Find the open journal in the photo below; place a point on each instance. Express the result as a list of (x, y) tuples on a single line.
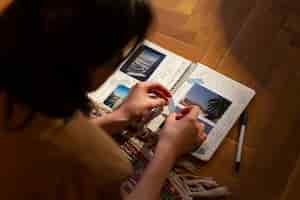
[(221, 99)]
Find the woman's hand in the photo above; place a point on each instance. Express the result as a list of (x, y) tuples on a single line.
[(134, 107), (179, 136), (182, 132), (139, 102)]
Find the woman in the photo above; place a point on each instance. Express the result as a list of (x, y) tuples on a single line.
[(52, 52)]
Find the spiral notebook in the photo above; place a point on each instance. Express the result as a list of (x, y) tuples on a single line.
[(220, 99)]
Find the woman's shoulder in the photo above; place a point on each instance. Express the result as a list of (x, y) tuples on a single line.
[(92, 147)]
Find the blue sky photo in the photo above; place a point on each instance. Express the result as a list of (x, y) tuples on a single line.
[(201, 95), (121, 91), (117, 96)]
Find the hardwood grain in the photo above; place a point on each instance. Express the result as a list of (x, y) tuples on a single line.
[(258, 44)]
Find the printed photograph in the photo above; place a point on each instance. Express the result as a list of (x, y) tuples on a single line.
[(207, 127), (143, 63), (212, 105), (117, 97)]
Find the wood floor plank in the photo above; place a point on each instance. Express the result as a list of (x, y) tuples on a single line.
[(292, 190), (166, 4), (169, 22), (229, 18), (258, 44), (182, 48), (187, 7), (222, 166), (292, 23), (278, 145)]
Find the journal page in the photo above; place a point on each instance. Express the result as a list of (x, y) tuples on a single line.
[(148, 63)]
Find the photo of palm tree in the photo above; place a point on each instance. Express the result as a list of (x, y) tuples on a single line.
[(212, 105), (117, 97)]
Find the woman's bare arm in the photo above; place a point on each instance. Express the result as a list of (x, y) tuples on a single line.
[(155, 175), (179, 136)]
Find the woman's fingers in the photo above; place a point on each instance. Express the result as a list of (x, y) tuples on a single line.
[(171, 118), (185, 111), (179, 116), (195, 112), (200, 126), (156, 87), (191, 112), (201, 133), (160, 94), (158, 102)]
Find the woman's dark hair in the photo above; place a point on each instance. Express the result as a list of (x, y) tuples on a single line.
[(49, 48)]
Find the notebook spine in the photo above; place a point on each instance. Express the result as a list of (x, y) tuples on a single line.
[(184, 77)]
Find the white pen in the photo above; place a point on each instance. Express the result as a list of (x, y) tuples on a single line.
[(243, 121)]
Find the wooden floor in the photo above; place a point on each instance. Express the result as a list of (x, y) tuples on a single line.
[(258, 44)]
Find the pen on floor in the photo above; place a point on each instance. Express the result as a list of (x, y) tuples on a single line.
[(243, 122)]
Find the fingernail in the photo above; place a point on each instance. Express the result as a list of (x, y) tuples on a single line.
[(179, 116)]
